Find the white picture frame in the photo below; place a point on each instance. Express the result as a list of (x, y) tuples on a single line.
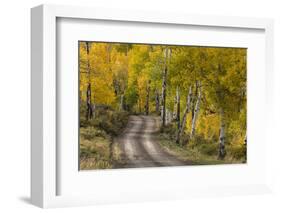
[(44, 154)]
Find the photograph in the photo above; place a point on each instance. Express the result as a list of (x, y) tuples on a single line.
[(161, 105)]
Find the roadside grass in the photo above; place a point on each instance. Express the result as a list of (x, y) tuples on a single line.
[(199, 151), (95, 153), (97, 147)]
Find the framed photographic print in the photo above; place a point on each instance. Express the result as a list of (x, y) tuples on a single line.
[(149, 106)]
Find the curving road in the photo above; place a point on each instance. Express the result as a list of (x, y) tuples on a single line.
[(139, 147)]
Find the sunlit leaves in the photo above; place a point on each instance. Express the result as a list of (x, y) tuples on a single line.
[(125, 69)]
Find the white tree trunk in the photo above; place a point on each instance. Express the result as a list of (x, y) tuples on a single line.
[(178, 108), (161, 113), (186, 111), (157, 102), (169, 117), (147, 98), (175, 108), (164, 96), (167, 55), (89, 111), (196, 111), (222, 152), (122, 102)]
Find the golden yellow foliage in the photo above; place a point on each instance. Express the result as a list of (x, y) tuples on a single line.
[(101, 76), (121, 72), (208, 126)]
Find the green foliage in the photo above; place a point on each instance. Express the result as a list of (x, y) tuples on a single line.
[(90, 133), (238, 151), (106, 120), (112, 122), (132, 96), (210, 149)]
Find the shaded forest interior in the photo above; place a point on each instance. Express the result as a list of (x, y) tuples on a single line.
[(198, 93)]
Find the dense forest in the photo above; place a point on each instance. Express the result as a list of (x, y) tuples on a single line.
[(196, 94)]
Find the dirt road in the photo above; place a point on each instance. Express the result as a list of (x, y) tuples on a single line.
[(140, 147)]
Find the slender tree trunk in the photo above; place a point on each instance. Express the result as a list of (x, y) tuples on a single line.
[(164, 96), (186, 111), (164, 85), (245, 144), (89, 111), (121, 102), (178, 113), (196, 111), (140, 105), (178, 108), (193, 103), (175, 108), (168, 116), (157, 101), (147, 98), (222, 151)]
